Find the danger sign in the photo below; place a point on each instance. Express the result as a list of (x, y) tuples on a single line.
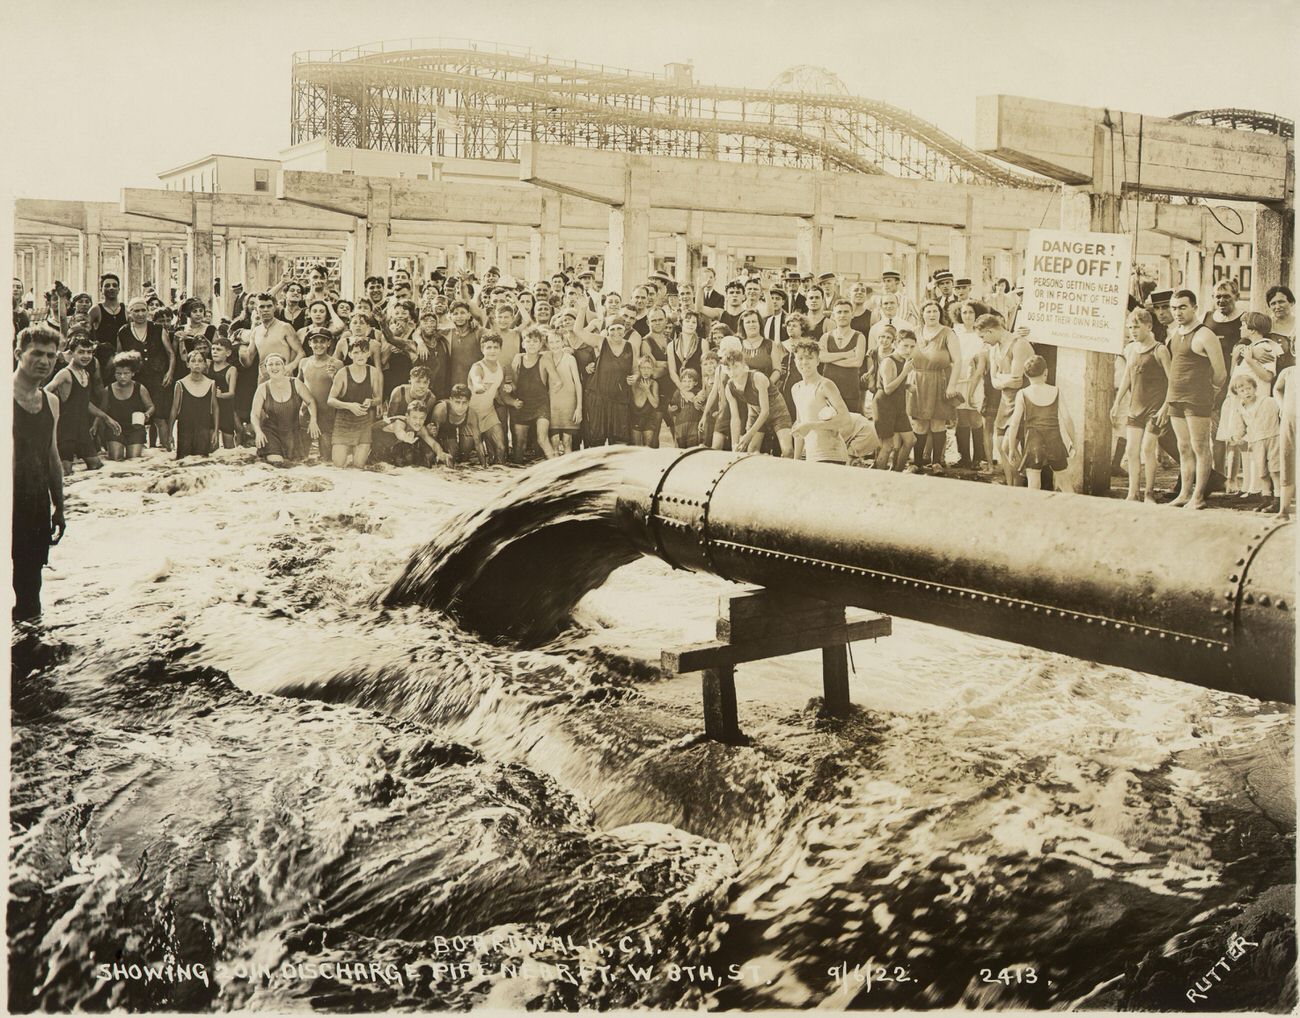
[(1076, 289)]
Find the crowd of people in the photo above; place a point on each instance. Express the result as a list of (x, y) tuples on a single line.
[(460, 370)]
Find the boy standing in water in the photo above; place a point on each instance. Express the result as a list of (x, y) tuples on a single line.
[(486, 378), (225, 374), (72, 385), (317, 373)]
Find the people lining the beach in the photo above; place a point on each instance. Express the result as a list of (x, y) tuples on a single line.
[(566, 367)]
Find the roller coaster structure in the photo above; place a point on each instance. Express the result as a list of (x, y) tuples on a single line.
[(478, 100)]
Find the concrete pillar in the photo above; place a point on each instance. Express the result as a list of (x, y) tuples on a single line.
[(1205, 290), (133, 285), (627, 253), (198, 250), (41, 275), (544, 240), (1005, 267), (90, 264), (815, 246), (352, 271), (690, 270), (378, 229), (1087, 379), (501, 249), (233, 270), (921, 276), (966, 248), (261, 268)]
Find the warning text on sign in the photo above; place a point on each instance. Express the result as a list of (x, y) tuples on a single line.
[(1076, 289)]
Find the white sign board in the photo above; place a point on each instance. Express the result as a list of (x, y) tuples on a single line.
[(1076, 289)]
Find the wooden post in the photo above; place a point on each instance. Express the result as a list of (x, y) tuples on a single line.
[(1086, 378), (1266, 260), (761, 624), (835, 681), (721, 722)]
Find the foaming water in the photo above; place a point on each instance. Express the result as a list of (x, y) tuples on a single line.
[(241, 742)]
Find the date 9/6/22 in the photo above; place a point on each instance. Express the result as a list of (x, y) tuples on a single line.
[(865, 976)]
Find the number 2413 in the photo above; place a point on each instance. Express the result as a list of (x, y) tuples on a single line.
[(1009, 976)]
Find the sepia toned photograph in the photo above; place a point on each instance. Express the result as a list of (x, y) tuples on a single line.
[(616, 507)]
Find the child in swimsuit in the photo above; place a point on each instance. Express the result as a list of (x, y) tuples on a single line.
[(645, 402), (1048, 435), (686, 410)]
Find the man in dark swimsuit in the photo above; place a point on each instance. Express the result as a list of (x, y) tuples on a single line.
[(38, 472), (106, 321)]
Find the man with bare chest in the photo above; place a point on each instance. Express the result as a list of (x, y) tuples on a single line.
[(270, 335)]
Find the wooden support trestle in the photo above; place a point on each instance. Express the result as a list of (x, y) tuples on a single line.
[(761, 624)]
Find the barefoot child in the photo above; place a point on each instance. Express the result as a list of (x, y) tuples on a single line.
[(129, 404), (1258, 425), (354, 394), (645, 402), (1146, 383), (317, 373), (194, 409), (889, 411), (486, 377), (72, 384), (530, 420), (710, 372), (564, 416), (1048, 432), (686, 408), (224, 374)]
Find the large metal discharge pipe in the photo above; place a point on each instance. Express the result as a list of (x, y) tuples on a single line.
[(1203, 597)]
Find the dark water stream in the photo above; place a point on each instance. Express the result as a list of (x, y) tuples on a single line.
[(246, 782)]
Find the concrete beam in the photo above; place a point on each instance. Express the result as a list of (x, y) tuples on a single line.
[(248, 211)]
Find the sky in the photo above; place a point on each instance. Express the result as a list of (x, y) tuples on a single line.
[(137, 88)]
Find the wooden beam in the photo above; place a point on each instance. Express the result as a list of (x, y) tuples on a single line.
[(1081, 145), (716, 653)]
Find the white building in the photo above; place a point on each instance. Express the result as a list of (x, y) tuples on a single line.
[(223, 173)]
